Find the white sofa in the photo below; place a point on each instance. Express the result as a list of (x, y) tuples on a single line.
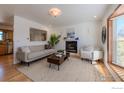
[(31, 53), (91, 53)]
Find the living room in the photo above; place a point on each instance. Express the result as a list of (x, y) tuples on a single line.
[(34, 31)]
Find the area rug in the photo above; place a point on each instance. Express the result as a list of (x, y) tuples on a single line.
[(72, 70)]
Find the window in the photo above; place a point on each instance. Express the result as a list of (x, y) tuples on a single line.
[(118, 40), (1, 36)]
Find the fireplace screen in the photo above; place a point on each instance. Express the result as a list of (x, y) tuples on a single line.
[(71, 46)]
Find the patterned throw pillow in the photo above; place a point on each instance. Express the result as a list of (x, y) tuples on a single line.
[(47, 46)]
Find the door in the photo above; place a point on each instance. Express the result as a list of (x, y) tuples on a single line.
[(118, 41)]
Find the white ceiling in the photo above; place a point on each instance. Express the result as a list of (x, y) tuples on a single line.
[(71, 13)]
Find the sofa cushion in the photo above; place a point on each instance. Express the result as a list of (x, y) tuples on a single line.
[(36, 54), (25, 49), (36, 48), (49, 51)]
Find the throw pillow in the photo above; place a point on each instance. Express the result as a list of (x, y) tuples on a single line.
[(88, 48), (47, 46), (25, 49)]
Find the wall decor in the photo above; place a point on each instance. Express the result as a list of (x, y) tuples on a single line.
[(71, 34), (103, 34), (37, 35)]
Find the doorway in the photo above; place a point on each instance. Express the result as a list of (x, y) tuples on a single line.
[(115, 41), (116, 37), (6, 42), (118, 40)]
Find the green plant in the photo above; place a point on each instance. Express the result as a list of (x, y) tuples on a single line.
[(54, 39)]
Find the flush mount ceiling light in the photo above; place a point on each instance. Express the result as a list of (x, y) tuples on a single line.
[(55, 12), (94, 16)]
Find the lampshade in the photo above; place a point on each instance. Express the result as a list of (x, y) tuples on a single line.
[(55, 12)]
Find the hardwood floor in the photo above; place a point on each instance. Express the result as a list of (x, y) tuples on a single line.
[(9, 73), (119, 71), (104, 71)]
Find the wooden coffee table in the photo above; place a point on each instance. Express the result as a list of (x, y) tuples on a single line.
[(53, 59)]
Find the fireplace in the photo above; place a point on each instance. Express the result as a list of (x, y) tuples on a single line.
[(71, 46)]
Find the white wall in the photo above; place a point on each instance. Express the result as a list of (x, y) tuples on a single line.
[(22, 35), (88, 33)]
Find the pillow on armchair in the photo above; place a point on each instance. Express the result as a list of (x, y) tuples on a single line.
[(88, 48)]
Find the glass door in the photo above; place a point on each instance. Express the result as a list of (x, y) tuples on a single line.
[(118, 41)]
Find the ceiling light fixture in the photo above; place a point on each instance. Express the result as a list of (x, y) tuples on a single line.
[(55, 12), (94, 16)]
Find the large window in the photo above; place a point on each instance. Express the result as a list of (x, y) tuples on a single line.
[(118, 41), (1, 36)]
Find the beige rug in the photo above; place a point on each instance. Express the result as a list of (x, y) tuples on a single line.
[(74, 70)]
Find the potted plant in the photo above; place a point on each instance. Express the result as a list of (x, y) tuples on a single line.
[(54, 39)]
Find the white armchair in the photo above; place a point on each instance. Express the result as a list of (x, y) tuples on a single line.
[(91, 53)]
